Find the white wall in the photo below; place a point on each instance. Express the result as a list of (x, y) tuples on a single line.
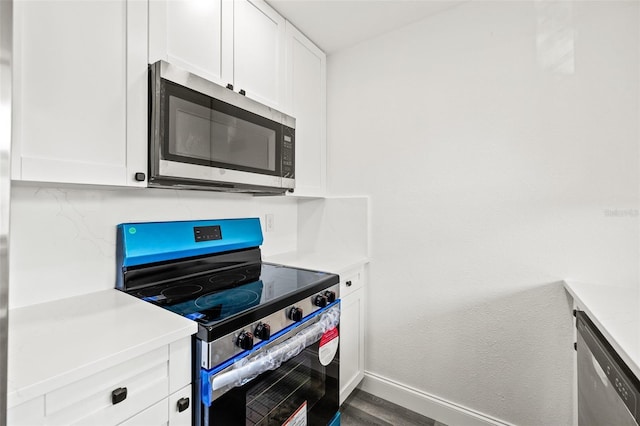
[(63, 238), (499, 144)]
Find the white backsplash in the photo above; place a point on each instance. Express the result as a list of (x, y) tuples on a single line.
[(62, 240), (334, 225)]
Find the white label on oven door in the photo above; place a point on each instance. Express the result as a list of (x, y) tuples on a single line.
[(299, 418), (328, 346)]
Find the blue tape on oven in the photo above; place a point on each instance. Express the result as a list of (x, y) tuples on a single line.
[(151, 242), (205, 374)]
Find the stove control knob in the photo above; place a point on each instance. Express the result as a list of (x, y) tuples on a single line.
[(321, 300), (262, 331), (295, 314), (245, 340), (330, 295)]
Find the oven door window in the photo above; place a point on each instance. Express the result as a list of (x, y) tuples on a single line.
[(201, 130), (301, 387)]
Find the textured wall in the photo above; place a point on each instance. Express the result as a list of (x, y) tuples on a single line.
[(499, 144), (63, 239)]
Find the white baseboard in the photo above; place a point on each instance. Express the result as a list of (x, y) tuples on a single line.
[(428, 405)]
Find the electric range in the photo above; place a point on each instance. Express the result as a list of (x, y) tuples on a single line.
[(254, 318)]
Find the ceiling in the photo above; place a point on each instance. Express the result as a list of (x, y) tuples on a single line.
[(337, 24)]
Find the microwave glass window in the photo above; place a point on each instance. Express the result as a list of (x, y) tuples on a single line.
[(202, 133)]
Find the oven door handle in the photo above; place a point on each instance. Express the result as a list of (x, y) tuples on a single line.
[(249, 368)]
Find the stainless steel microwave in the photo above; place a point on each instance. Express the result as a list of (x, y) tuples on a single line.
[(205, 136)]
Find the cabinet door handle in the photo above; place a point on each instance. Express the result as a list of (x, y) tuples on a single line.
[(348, 283), (118, 395), (183, 404)]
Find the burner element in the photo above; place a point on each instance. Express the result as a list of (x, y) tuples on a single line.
[(181, 291), (234, 300), (227, 279)]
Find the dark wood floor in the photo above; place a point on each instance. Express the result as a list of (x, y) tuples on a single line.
[(362, 408)]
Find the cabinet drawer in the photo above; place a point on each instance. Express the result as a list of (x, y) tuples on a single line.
[(29, 413), (156, 415), (176, 403), (350, 281), (89, 401)]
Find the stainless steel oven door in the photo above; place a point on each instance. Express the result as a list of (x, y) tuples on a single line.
[(291, 380)]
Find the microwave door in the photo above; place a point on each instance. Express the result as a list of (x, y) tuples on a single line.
[(190, 138), (243, 144)]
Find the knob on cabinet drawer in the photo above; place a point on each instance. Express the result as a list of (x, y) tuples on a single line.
[(183, 404), (118, 395)]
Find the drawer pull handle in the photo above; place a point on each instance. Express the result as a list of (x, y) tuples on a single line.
[(183, 404), (348, 283), (118, 395)]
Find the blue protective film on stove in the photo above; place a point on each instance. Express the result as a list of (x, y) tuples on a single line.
[(151, 242)]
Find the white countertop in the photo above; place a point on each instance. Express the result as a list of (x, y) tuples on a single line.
[(335, 262), (616, 313), (56, 343)]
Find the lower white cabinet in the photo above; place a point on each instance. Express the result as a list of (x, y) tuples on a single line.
[(153, 388), (174, 411), (156, 415), (351, 331)]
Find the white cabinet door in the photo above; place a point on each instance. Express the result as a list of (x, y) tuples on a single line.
[(29, 413), (181, 400), (351, 342), (258, 51), (195, 35), (237, 42), (156, 415), (306, 101), (74, 69)]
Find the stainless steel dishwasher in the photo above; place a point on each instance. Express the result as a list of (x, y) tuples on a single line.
[(608, 392)]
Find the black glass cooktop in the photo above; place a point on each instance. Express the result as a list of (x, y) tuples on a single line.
[(248, 291)]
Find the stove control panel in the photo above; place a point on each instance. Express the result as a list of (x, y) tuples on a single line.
[(217, 351), (207, 233)]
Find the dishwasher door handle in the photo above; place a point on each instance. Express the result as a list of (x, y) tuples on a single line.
[(599, 371)]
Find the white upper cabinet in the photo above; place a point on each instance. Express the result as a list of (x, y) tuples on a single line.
[(258, 41), (81, 81), (306, 100), (195, 35), (80, 91), (237, 42)]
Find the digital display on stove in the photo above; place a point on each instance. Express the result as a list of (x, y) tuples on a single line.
[(207, 233)]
